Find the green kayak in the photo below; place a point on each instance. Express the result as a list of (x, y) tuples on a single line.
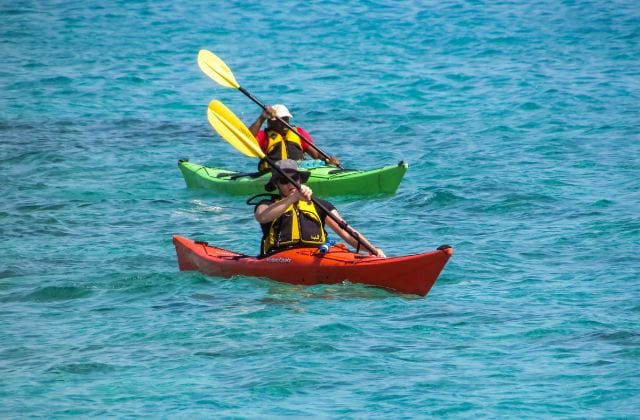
[(324, 180)]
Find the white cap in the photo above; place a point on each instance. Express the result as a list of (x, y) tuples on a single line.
[(282, 111)]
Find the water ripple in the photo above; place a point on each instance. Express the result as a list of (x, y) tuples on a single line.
[(519, 121)]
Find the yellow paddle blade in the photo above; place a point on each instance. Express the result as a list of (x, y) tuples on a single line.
[(216, 69), (232, 129)]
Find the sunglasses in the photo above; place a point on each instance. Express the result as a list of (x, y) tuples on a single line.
[(284, 181)]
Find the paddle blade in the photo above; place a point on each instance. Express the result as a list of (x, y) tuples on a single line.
[(232, 129), (216, 69)]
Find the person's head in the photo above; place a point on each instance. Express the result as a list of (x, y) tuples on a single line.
[(283, 113), (290, 167)]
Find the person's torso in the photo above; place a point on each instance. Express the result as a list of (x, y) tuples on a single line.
[(280, 147), (301, 224)]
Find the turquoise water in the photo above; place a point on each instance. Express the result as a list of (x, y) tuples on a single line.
[(521, 126)]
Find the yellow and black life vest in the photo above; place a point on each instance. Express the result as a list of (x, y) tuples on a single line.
[(299, 225), (279, 148)]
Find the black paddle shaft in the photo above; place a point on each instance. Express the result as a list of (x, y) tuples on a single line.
[(340, 222), (306, 140)]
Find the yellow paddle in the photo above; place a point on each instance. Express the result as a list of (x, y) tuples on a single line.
[(235, 132), (216, 69), (229, 126)]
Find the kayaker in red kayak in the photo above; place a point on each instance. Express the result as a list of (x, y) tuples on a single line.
[(278, 142), (291, 219)]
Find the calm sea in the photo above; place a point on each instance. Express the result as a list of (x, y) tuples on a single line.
[(521, 125)]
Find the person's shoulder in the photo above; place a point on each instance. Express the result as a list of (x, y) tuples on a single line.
[(262, 139), (307, 144)]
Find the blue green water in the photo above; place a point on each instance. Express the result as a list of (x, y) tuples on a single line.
[(521, 125)]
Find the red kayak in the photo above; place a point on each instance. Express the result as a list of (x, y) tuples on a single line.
[(411, 274)]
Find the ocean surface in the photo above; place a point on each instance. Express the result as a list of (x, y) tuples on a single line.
[(521, 125)]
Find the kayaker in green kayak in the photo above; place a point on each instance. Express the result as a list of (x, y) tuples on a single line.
[(291, 219), (279, 142)]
